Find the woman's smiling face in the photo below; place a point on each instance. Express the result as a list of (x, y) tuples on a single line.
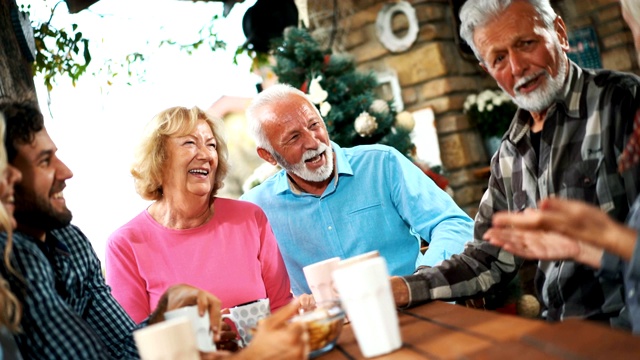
[(191, 163)]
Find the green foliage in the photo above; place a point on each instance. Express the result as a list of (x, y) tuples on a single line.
[(299, 59), (60, 52), (130, 68), (66, 52), (206, 36)]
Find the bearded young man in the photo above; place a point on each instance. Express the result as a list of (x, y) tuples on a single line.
[(341, 202), (564, 141)]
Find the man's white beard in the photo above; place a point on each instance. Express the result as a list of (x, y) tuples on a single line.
[(543, 97), (300, 169)]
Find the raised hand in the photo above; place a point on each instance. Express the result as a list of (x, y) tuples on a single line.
[(278, 338)]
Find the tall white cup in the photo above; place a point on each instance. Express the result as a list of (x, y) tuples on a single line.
[(354, 259), (365, 292), (200, 324), (167, 340), (318, 277)]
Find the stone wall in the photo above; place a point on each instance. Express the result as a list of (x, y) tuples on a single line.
[(432, 72), (615, 39)]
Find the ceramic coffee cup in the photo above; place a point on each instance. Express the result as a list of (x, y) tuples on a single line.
[(318, 276), (200, 324), (167, 340), (246, 317)]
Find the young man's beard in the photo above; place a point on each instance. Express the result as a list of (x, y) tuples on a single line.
[(37, 213)]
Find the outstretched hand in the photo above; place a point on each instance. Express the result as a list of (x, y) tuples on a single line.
[(576, 220), (278, 338), (548, 233)]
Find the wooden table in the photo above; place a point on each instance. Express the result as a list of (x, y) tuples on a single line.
[(441, 330)]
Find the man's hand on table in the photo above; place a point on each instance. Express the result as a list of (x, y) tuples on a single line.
[(400, 291)]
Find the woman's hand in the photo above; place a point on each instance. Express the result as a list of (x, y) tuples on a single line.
[(558, 230), (182, 295)]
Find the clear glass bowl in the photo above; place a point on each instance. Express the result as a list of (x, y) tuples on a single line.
[(324, 324)]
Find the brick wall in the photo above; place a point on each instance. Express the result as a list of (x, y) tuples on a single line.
[(615, 39), (432, 73)]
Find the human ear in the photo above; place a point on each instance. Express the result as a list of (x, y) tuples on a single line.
[(266, 156), (561, 33)]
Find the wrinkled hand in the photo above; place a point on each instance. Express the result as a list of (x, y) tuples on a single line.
[(183, 295), (277, 338), (533, 244), (541, 235)]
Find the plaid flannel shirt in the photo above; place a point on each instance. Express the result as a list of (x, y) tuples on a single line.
[(68, 310), (584, 134)]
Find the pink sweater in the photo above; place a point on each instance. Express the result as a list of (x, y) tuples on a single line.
[(234, 256)]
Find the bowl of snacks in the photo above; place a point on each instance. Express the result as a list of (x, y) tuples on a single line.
[(324, 324)]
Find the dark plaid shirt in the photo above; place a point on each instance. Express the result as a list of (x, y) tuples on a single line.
[(68, 310), (584, 134)]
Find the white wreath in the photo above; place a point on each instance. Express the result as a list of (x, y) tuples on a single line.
[(385, 31)]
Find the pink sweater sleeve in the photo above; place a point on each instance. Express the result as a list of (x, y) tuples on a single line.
[(274, 272), (127, 286)]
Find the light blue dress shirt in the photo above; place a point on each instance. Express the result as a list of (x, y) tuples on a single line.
[(380, 201)]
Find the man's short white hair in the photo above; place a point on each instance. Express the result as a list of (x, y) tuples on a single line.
[(477, 13), (273, 94)]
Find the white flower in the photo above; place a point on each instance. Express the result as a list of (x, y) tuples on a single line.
[(469, 102), (325, 107), (316, 93), (486, 100)]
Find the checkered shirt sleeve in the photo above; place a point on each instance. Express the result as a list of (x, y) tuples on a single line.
[(68, 310)]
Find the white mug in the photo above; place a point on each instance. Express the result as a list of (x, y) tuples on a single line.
[(365, 292), (167, 340), (246, 317), (355, 259), (200, 324), (319, 279)]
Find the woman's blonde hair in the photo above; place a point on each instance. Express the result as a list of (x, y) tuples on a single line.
[(150, 156), (10, 309)]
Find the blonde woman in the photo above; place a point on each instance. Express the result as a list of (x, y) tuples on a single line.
[(188, 234), (9, 306)]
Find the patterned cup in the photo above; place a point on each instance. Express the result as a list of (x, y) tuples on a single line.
[(246, 317)]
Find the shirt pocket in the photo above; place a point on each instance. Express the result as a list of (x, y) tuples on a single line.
[(363, 218), (580, 179)]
